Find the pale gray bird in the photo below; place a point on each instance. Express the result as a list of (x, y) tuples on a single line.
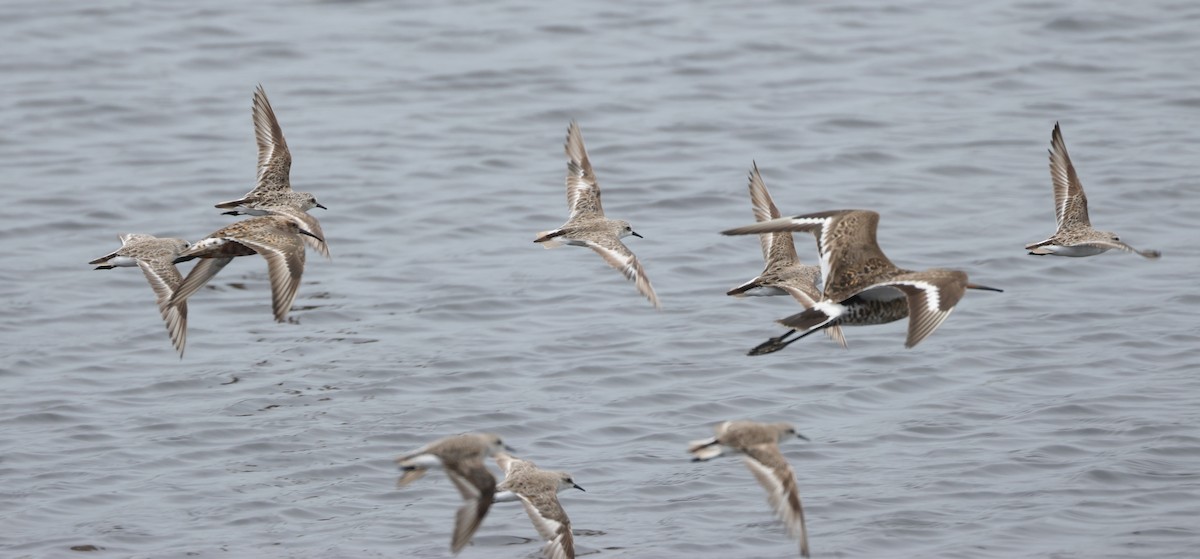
[(1074, 236), (272, 192), (461, 457), (759, 445), (587, 226), (538, 489), (156, 257)]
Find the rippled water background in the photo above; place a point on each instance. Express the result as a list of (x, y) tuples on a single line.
[(1059, 418)]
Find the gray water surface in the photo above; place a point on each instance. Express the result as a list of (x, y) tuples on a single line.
[(1057, 419)]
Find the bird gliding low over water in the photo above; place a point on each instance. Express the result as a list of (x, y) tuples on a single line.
[(860, 284)]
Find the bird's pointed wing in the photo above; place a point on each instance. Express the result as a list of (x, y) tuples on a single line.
[(164, 279), (777, 248), (163, 276), (285, 265), (274, 159), (776, 476), (1070, 203), (620, 257), (1118, 245), (201, 273), (551, 522), (931, 298), (583, 193), (477, 487)]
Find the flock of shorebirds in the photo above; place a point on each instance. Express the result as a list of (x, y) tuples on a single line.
[(278, 230), (855, 284)]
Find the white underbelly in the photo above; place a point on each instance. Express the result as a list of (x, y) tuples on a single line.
[(764, 291), (1084, 250), (123, 261)]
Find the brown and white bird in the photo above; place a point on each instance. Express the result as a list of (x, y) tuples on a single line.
[(276, 238), (588, 227), (1074, 235), (156, 257), (759, 445), (272, 193), (538, 489), (783, 274), (861, 285), (461, 457)]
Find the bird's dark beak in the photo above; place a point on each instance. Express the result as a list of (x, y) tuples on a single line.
[(313, 235), (799, 436), (508, 449), (581, 489), (320, 206), (634, 233), (983, 287)]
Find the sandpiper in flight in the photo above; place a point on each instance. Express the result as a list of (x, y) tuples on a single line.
[(537, 489), (759, 445), (587, 226), (1074, 236), (461, 457), (156, 257)]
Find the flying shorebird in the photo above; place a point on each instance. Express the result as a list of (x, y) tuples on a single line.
[(783, 274), (156, 258), (587, 226), (272, 192), (276, 238), (461, 457), (538, 489), (759, 443), (861, 285), (1074, 236)]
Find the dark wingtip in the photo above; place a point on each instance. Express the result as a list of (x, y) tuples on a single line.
[(741, 289), (770, 346)]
